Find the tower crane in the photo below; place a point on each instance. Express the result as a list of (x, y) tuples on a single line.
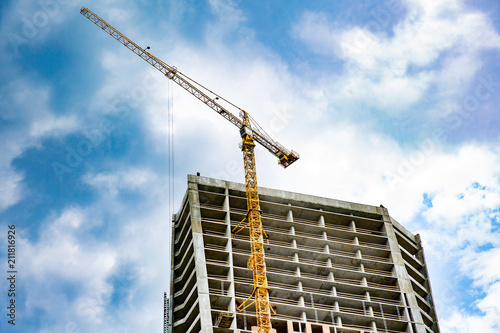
[(250, 133)]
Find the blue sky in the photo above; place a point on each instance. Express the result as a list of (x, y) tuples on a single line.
[(392, 103)]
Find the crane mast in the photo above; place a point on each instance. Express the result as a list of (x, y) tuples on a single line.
[(250, 133), (257, 257)]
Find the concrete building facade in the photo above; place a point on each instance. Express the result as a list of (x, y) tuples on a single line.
[(332, 266)]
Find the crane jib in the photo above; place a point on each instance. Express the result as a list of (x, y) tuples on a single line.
[(286, 157)]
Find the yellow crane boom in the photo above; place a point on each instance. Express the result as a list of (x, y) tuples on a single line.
[(286, 157), (250, 131)]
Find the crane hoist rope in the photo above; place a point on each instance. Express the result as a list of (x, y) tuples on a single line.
[(250, 133)]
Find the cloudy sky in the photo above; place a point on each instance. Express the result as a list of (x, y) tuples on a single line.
[(387, 102)]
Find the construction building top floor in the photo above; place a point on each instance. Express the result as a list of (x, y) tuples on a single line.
[(332, 266)]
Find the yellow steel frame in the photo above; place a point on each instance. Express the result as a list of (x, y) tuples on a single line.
[(257, 257)]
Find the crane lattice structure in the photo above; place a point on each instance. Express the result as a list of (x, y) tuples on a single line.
[(250, 132)]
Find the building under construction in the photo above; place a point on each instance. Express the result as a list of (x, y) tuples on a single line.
[(332, 266)]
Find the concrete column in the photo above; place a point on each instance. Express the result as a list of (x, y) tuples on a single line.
[(229, 249), (297, 271), (421, 257), (362, 268), (296, 257), (352, 225), (329, 262), (374, 326), (364, 282), (303, 316), (324, 235), (301, 301), (199, 257), (327, 249), (330, 277), (404, 281), (336, 306), (355, 240), (227, 219), (420, 253), (358, 254), (407, 314), (299, 286), (227, 222), (367, 296), (294, 243), (370, 311), (321, 221), (292, 230), (334, 291), (225, 205), (339, 321), (289, 216)]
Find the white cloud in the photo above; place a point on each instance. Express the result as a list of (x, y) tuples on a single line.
[(449, 206), (30, 22), (463, 322), (436, 43), (85, 281), (53, 126), (490, 305), (11, 189), (29, 127), (315, 29), (483, 267), (463, 189), (66, 261), (227, 11), (111, 184)]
